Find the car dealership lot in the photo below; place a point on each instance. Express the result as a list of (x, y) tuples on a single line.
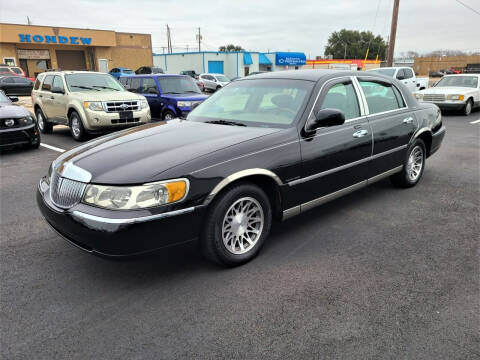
[(381, 273)]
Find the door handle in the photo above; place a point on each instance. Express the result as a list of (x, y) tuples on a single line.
[(408, 120), (51, 97), (360, 133), (40, 95)]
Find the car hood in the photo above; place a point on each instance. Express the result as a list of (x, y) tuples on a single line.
[(185, 97), (12, 111), (447, 90), (139, 155), (107, 95)]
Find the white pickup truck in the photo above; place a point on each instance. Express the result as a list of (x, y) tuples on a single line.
[(405, 75)]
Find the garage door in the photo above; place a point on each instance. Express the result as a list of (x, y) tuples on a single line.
[(215, 67), (71, 60)]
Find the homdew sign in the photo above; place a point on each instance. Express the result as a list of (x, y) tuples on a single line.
[(49, 39)]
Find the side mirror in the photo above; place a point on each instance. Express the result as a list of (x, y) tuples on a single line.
[(13, 98), (400, 77), (194, 106), (153, 91), (57, 90), (325, 118)]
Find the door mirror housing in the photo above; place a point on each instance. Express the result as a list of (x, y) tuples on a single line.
[(13, 98), (400, 77), (325, 118), (57, 90), (153, 91)]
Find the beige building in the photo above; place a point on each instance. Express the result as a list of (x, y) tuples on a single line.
[(424, 65), (37, 48)]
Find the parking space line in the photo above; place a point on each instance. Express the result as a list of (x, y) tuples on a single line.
[(52, 147), (475, 121)]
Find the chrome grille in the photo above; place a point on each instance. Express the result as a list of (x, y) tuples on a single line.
[(64, 192), (434, 97), (123, 105)]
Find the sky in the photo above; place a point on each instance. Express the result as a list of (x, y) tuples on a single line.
[(262, 25)]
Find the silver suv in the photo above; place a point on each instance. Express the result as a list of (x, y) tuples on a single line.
[(87, 102)]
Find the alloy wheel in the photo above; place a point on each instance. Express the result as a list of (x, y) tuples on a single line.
[(242, 225), (415, 163), (40, 121), (76, 126)]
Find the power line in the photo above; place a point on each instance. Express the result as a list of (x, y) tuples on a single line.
[(468, 7)]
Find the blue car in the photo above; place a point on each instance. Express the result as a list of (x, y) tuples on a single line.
[(169, 96), (119, 72)]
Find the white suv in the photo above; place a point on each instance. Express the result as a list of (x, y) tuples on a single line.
[(87, 102), (213, 82)]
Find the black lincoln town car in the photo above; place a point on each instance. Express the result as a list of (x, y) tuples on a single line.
[(268, 146)]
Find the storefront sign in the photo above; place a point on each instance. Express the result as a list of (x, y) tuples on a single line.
[(290, 59), (48, 39), (33, 54)]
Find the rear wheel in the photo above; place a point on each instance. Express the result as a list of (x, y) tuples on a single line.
[(43, 125), (76, 126), (238, 222), (467, 110), (218, 88), (413, 167)]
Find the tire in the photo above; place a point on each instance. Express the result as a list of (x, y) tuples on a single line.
[(76, 126), (218, 88), (35, 145), (232, 250), (44, 126), (467, 110), (168, 115), (413, 167)]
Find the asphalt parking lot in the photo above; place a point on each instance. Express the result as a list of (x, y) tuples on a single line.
[(380, 274)]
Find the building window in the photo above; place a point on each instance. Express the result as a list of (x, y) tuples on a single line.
[(9, 61), (42, 64)]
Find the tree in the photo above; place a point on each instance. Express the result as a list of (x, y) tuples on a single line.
[(230, 47), (353, 44)]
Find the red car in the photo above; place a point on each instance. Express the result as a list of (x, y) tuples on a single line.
[(15, 70)]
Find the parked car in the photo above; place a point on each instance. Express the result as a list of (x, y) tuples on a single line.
[(16, 85), (403, 74), (169, 96), (9, 70), (200, 85), (454, 92), (435, 74), (191, 73), (213, 82), (149, 70), (118, 72), (472, 69), (17, 125), (87, 102), (267, 147), (256, 73)]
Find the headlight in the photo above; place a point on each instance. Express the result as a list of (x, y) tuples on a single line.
[(455, 97), (184, 103), (27, 120), (419, 96), (49, 174), (136, 197), (93, 105), (143, 104)]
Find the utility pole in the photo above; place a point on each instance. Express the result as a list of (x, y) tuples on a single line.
[(199, 40), (169, 41), (393, 33)]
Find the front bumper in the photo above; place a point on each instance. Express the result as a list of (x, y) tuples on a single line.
[(120, 233), (101, 120), (27, 135), (448, 105)]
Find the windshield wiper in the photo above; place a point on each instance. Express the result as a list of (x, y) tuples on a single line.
[(105, 87), (172, 92), (192, 91), (225, 122), (84, 87)]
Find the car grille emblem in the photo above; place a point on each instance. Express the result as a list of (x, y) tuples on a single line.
[(9, 122), (124, 106)]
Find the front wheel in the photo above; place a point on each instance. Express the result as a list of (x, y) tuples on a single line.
[(44, 126), (413, 167), (237, 224), (467, 110), (168, 115), (76, 127)]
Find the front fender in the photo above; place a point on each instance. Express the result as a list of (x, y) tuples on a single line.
[(78, 107)]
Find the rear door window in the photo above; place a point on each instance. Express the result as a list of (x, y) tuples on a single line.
[(408, 73), (47, 83), (381, 97)]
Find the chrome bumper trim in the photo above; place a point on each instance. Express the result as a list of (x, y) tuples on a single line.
[(81, 216)]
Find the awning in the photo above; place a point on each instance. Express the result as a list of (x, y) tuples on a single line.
[(263, 59), (290, 58), (247, 58)]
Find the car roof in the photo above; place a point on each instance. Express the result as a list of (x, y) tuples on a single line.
[(307, 74), (214, 74), (465, 74), (153, 75)]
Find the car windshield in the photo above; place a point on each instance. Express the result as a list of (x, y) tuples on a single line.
[(16, 70), (92, 82), (127, 71), (263, 103), (178, 85), (386, 72), (222, 78), (458, 81), (4, 98)]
